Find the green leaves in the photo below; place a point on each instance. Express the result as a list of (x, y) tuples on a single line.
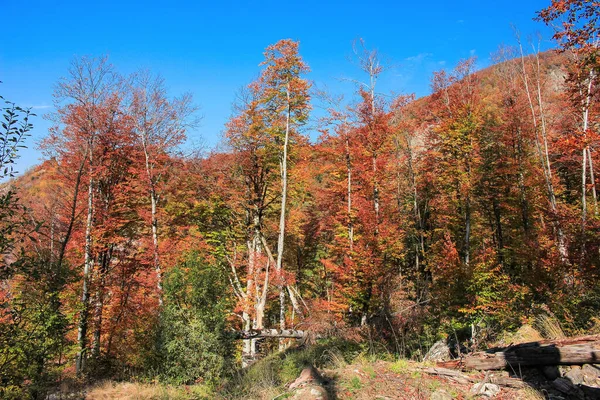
[(15, 128), (192, 344)]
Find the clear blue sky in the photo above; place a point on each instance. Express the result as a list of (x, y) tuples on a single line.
[(211, 49)]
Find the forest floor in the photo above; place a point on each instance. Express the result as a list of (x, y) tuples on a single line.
[(362, 380), (341, 369)]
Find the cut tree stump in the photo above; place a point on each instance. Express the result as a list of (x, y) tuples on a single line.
[(573, 351)]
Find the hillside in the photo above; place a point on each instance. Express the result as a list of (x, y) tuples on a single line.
[(464, 225)]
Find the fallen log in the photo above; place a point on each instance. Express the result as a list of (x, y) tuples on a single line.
[(271, 333), (458, 377), (574, 351)]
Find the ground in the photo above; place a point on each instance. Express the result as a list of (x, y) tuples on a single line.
[(362, 380)]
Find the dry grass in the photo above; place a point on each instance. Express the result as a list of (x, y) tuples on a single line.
[(595, 329), (139, 391), (530, 394), (548, 326), (524, 334), (333, 358)]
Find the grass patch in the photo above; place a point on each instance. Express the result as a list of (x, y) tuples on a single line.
[(145, 391), (273, 373), (399, 366), (355, 384)]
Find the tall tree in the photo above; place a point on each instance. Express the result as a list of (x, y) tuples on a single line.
[(286, 100), (160, 125), (579, 33), (87, 103)]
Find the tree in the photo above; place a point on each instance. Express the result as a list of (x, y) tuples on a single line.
[(32, 324), (87, 103), (160, 126), (256, 157), (286, 99), (579, 33)]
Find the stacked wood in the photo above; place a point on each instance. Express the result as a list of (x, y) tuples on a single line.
[(572, 351)]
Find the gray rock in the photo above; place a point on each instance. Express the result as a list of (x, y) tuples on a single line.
[(438, 352), (310, 392), (485, 389), (591, 375), (575, 375)]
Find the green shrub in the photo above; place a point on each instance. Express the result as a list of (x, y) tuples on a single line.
[(191, 341)]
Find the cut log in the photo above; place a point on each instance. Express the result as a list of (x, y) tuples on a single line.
[(575, 351)]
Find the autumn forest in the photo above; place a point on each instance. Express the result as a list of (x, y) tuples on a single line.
[(460, 216)]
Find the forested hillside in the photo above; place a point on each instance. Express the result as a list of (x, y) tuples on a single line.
[(462, 215)]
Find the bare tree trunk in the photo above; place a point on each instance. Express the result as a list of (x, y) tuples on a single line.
[(467, 230), (593, 181), (280, 241), (154, 221), (375, 183), (249, 349), (253, 290), (375, 195), (349, 195), (543, 154), (72, 215), (98, 313), (52, 225), (583, 185), (586, 117), (522, 190), (87, 269), (413, 182), (261, 293)]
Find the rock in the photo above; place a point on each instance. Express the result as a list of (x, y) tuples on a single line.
[(551, 372), (441, 395), (438, 352), (310, 392), (309, 375), (591, 375), (564, 369), (575, 375), (308, 386), (485, 389)]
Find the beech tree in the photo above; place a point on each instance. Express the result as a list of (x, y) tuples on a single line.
[(160, 126), (579, 33), (286, 100), (86, 104)]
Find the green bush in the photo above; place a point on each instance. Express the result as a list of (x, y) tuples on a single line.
[(191, 342)]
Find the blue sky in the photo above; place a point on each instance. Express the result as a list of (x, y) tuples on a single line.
[(211, 49)]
